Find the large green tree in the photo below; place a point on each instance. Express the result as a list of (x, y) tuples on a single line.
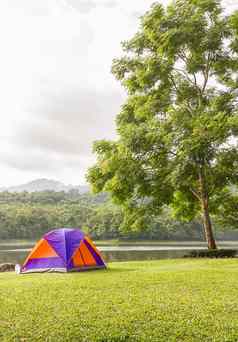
[(177, 130)]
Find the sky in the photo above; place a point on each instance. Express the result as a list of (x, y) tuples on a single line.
[(57, 94)]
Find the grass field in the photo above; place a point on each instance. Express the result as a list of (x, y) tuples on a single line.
[(167, 300)]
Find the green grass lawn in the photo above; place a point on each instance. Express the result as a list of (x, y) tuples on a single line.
[(167, 300)]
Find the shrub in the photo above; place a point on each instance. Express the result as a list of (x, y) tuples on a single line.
[(213, 253)]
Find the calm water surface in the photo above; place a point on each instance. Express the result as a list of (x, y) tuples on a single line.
[(16, 252)]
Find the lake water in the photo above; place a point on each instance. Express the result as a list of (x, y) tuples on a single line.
[(16, 252)]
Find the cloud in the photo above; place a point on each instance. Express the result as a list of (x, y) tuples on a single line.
[(55, 138), (85, 6), (66, 122)]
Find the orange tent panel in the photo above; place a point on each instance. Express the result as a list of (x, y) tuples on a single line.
[(77, 259), (42, 250), (87, 256)]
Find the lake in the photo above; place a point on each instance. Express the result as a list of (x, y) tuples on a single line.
[(16, 251)]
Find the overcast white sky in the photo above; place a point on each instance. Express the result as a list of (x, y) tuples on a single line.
[(56, 92)]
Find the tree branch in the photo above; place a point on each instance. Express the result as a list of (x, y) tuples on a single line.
[(206, 72), (195, 194)]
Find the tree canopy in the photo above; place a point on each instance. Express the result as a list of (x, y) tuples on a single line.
[(177, 131)]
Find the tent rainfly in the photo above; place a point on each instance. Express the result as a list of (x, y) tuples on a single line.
[(63, 250)]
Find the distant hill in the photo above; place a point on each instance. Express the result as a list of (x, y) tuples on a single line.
[(44, 185)]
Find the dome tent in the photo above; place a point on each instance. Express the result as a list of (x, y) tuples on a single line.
[(63, 250)]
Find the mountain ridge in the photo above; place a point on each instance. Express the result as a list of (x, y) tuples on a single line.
[(45, 184)]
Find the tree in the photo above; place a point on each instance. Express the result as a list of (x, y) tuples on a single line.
[(177, 130)]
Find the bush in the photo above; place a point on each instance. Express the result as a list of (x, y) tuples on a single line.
[(213, 253)]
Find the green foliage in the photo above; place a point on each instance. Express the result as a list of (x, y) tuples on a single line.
[(177, 131), (184, 208), (30, 215), (227, 210), (166, 300), (50, 197)]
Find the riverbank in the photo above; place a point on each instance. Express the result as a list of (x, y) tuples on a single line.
[(16, 251), (166, 300)]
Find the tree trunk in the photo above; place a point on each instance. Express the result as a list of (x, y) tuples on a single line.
[(207, 225)]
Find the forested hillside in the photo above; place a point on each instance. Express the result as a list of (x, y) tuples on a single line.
[(29, 215)]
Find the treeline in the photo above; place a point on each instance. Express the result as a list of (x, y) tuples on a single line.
[(29, 215), (51, 197)]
